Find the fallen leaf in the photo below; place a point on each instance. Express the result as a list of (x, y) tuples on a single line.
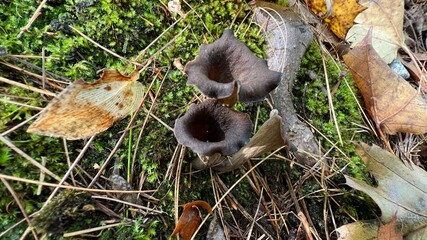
[(360, 230), (394, 105), (401, 193), (341, 16), (190, 219), (388, 231), (386, 19), (85, 109)]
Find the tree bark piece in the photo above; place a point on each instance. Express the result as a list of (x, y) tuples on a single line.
[(287, 40)]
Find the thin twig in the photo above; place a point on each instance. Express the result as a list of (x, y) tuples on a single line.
[(47, 80), (73, 187), (67, 155), (35, 67), (21, 207), (104, 48), (146, 118), (42, 176), (24, 86), (20, 104), (43, 69), (19, 125), (70, 170), (26, 156), (331, 103), (32, 19), (255, 215), (149, 210), (86, 231)]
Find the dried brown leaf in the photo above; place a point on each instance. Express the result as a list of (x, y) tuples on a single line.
[(85, 109), (394, 105), (386, 19), (401, 194)]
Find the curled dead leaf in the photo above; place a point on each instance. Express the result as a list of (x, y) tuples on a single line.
[(190, 219), (85, 109), (394, 105), (401, 194)]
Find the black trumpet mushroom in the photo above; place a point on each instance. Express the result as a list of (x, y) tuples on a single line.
[(209, 128), (228, 63)]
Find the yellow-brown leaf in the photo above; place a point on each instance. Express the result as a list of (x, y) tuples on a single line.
[(85, 109), (342, 15)]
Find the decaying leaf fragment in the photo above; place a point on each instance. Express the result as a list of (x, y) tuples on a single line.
[(386, 19), (190, 219), (85, 109), (394, 105), (401, 193), (341, 16), (388, 231)]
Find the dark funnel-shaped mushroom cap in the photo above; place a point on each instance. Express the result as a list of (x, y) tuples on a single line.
[(225, 61), (208, 128)]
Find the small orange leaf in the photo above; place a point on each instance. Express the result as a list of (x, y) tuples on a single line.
[(342, 15), (190, 219), (85, 109)]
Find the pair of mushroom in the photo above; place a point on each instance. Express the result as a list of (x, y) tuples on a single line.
[(227, 71)]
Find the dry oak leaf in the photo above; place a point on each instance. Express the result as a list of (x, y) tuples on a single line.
[(85, 109), (342, 14), (393, 104), (401, 194), (190, 219), (386, 19)]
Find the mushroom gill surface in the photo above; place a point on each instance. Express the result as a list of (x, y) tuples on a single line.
[(227, 60), (208, 128)]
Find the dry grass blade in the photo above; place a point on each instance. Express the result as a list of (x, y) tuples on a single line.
[(32, 19), (49, 81), (24, 86), (90, 230), (255, 215)]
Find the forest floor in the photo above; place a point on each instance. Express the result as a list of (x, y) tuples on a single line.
[(64, 189)]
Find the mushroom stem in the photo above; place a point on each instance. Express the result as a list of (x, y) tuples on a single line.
[(265, 140)]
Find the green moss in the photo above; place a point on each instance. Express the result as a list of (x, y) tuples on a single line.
[(311, 90)]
